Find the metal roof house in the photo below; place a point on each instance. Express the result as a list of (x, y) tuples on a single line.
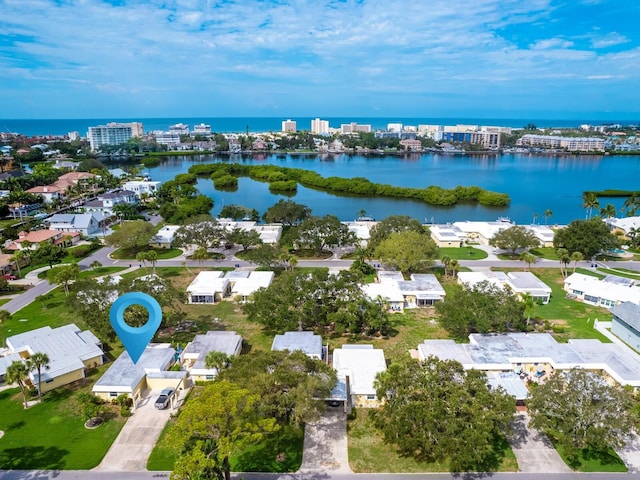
[(518, 282), (71, 352), (85, 223), (307, 342), (133, 379), (193, 357), (607, 292), (208, 287)]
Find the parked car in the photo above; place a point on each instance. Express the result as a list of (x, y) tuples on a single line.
[(10, 276), (164, 399)]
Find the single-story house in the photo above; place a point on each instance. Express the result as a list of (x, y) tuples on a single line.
[(544, 234), (6, 359), (625, 323), (70, 351), (535, 355), (520, 283), (608, 292), (85, 223), (164, 237), (269, 233), (118, 173), (447, 235), (209, 287), (623, 225), (388, 292), (243, 286), (421, 290), (357, 367), (193, 357), (480, 232), (151, 372), (361, 229), (307, 342)]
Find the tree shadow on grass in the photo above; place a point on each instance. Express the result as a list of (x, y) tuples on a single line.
[(30, 458), (279, 453)]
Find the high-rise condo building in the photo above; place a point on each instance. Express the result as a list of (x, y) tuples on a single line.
[(202, 129), (113, 134), (289, 126), (320, 127)]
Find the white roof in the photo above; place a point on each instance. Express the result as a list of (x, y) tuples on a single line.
[(486, 229), (229, 343), (422, 285), (500, 352), (388, 291), (208, 283), (608, 290), (625, 224), (542, 232), (247, 286), (519, 282), (165, 234), (446, 233), (361, 363), (307, 342), (67, 347), (123, 375), (362, 230)]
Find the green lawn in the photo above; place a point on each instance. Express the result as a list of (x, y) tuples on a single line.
[(91, 273), (589, 461), (50, 435), (53, 312), (369, 454), (464, 253), (545, 252), (621, 272)]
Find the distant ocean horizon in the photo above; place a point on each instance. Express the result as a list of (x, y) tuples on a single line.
[(44, 127)]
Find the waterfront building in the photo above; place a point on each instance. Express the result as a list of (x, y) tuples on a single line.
[(411, 145), (354, 127), (181, 129), (141, 187), (202, 129), (73, 136), (320, 127), (571, 144), (113, 134), (394, 127), (49, 193), (170, 138), (289, 126)]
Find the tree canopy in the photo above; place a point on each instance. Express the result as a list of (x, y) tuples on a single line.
[(514, 238), (589, 237), (201, 230), (408, 251), (484, 308), (435, 410), (581, 410), (392, 224), (300, 300), (319, 233), (133, 235), (287, 212)]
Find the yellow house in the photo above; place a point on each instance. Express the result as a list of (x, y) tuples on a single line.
[(70, 351), (134, 379)]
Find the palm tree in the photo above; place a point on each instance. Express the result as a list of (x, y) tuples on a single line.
[(200, 254), (565, 259), (535, 217), (528, 258), (575, 258), (631, 205), (4, 316), (38, 361), (18, 257), (152, 256), (608, 211), (446, 262), (95, 265), (142, 258), (547, 213), (529, 303), (217, 360), (454, 267), (16, 373), (589, 202)]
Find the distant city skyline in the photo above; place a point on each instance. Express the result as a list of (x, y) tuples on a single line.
[(546, 59)]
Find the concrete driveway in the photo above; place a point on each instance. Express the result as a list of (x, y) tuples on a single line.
[(533, 450), (630, 454), (325, 444), (131, 449)]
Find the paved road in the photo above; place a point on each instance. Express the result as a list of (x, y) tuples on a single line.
[(93, 475)]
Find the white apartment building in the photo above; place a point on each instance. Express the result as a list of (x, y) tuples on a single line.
[(354, 127), (171, 138), (140, 187), (320, 127), (113, 134), (202, 129), (394, 127), (289, 126), (180, 129), (572, 144)]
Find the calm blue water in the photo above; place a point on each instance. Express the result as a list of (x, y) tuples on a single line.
[(265, 124), (535, 183)]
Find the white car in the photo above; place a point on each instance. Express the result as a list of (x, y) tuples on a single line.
[(164, 399)]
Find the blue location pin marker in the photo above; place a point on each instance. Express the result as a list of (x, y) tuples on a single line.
[(135, 339)]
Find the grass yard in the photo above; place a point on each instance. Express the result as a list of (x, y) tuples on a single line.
[(621, 272), (571, 318), (589, 461), (548, 253), (51, 310), (369, 454), (463, 253), (50, 435)]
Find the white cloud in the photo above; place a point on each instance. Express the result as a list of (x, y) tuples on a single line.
[(608, 40)]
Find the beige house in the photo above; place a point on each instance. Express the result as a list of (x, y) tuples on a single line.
[(71, 352), (135, 379)]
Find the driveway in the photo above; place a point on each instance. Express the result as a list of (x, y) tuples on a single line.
[(131, 449), (325, 444), (533, 450), (630, 454)]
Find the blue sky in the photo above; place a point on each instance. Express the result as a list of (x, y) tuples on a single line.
[(555, 59)]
